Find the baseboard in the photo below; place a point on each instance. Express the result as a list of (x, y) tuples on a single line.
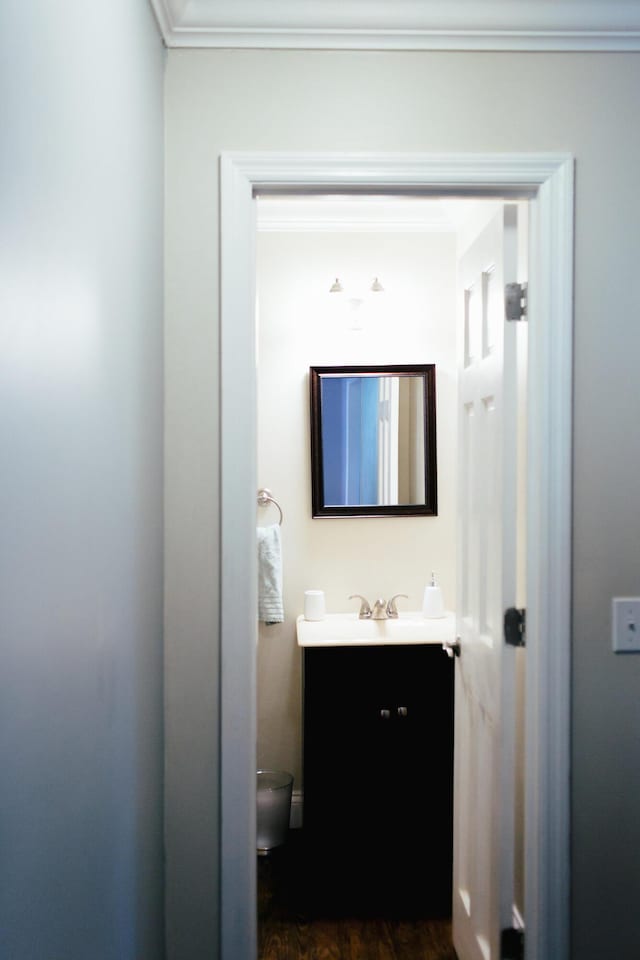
[(297, 803)]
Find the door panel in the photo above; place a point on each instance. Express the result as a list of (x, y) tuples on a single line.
[(484, 697)]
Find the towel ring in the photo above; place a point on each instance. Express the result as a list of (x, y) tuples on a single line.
[(265, 498)]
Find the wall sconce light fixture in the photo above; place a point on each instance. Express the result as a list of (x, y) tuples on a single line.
[(376, 286), (356, 320)]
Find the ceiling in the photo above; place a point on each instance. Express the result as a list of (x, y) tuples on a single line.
[(577, 25)]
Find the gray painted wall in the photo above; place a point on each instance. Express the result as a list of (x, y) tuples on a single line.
[(584, 103), (81, 358)]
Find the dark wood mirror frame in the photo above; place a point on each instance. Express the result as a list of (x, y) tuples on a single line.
[(428, 508)]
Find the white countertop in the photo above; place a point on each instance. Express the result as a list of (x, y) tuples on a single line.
[(346, 629)]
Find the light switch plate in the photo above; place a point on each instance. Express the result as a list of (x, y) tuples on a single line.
[(626, 624)]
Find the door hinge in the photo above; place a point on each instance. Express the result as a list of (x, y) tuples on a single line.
[(515, 301), (515, 627), (512, 944)]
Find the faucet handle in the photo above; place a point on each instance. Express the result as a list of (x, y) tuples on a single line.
[(392, 610), (365, 609)]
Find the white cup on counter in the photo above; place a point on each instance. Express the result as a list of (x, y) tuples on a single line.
[(314, 605)]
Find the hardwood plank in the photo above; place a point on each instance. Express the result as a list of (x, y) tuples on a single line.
[(296, 923)]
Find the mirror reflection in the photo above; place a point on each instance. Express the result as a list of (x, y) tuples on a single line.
[(373, 440)]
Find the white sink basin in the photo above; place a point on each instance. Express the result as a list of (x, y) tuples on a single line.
[(346, 629)]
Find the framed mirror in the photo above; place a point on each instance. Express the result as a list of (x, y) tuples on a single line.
[(373, 441)]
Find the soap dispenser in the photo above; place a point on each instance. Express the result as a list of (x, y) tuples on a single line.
[(433, 604)]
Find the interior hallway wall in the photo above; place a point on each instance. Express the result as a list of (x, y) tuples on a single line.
[(300, 325), (427, 102), (81, 593)]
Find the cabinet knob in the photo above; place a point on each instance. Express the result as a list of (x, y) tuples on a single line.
[(402, 711), (385, 714)]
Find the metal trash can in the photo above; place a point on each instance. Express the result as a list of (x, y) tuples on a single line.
[(274, 809)]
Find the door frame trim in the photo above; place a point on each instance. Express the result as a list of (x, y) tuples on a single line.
[(548, 180)]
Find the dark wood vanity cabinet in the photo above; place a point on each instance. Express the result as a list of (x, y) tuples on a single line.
[(378, 773)]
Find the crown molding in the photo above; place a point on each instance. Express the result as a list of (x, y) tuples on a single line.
[(498, 25)]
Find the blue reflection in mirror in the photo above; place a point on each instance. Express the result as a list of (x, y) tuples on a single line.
[(350, 440)]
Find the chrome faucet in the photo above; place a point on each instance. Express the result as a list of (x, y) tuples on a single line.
[(365, 609), (380, 610)]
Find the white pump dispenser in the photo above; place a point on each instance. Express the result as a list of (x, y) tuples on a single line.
[(433, 604)]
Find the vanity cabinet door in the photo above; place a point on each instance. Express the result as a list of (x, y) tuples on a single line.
[(378, 765)]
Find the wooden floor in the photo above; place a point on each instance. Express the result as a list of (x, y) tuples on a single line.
[(296, 922)]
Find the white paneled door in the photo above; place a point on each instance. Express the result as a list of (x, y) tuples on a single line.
[(483, 871)]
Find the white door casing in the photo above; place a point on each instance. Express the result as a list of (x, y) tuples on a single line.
[(548, 180), (484, 786)]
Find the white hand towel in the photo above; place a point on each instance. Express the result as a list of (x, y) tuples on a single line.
[(270, 607)]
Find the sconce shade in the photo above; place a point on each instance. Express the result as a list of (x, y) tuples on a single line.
[(336, 286)]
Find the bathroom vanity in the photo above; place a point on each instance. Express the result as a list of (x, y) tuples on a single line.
[(378, 760)]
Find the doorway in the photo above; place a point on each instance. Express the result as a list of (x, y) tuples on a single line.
[(371, 798), (548, 180)]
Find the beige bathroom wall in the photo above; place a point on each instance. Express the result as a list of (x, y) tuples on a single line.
[(302, 325), (428, 102)]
